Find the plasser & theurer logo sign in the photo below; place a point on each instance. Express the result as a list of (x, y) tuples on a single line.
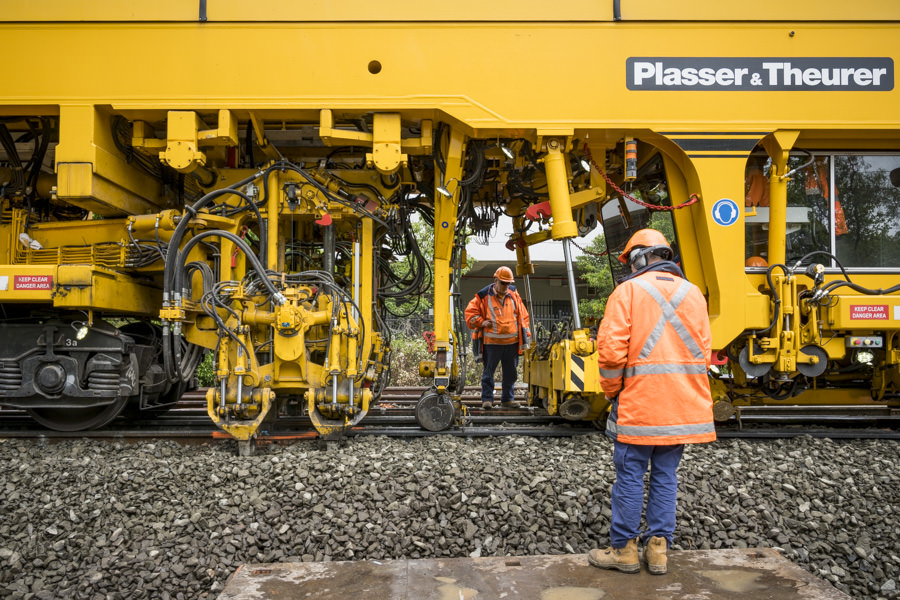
[(760, 74)]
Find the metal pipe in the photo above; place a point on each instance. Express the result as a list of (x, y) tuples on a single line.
[(530, 303), (832, 223), (356, 273), (571, 275), (334, 392), (328, 249), (357, 255), (454, 292)]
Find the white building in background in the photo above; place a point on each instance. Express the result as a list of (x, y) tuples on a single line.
[(549, 284), (549, 251)]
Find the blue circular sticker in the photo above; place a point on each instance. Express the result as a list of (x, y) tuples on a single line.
[(445, 224), (725, 212)]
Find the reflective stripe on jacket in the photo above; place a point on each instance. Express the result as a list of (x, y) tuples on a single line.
[(511, 324), (654, 346)]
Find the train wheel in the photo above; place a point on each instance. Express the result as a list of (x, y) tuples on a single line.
[(574, 408), (78, 419), (435, 412), (750, 368)]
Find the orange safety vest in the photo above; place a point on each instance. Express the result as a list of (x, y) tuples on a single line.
[(757, 185), (817, 182), (511, 324), (654, 347)]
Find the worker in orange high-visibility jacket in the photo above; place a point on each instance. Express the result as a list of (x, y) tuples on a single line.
[(501, 329), (654, 347)]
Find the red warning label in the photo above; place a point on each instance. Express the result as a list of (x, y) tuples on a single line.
[(869, 311), (33, 282)]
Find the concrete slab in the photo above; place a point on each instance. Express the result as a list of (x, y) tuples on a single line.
[(751, 574)]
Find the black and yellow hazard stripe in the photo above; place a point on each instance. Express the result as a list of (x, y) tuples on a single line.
[(577, 373)]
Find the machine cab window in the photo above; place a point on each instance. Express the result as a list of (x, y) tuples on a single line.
[(846, 205)]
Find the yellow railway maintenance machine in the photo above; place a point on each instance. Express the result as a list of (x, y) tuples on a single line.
[(242, 178)]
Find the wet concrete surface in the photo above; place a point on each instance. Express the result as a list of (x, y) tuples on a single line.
[(750, 574)]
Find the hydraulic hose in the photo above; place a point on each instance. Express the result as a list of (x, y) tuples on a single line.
[(776, 304), (170, 275), (833, 285), (277, 297), (171, 348), (181, 228)]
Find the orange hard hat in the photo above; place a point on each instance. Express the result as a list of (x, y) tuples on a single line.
[(644, 238), (756, 261), (504, 274)]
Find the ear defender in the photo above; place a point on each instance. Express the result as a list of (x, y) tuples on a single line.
[(638, 257)]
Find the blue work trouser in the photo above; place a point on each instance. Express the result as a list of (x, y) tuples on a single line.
[(628, 492), (506, 355)]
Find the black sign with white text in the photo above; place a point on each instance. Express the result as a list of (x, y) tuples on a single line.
[(761, 74)]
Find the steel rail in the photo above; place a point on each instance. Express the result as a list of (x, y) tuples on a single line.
[(395, 417)]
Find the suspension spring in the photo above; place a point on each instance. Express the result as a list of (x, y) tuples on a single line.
[(106, 381), (10, 376)]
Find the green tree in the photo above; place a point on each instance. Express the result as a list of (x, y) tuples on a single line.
[(593, 267), (871, 206), (661, 220)]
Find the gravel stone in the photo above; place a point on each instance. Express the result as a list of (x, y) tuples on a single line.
[(108, 520)]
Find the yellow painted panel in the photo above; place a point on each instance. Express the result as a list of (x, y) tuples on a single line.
[(74, 180), (757, 312), (539, 375), (592, 374), (308, 10), (90, 171), (80, 187), (105, 290), (726, 287), (410, 10), (111, 10), (459, 10), (864, 312), (27, 283), (430, 67), (760, 10), (75, 275), (78, 233)]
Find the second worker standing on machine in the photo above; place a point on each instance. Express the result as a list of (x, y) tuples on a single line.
[(501, 327)]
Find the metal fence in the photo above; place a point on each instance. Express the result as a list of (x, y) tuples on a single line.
[(548, 313), (412, 326)]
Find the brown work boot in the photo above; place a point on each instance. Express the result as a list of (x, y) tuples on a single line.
[(511, 404), (487, 405), (655, 555), (624, 559)]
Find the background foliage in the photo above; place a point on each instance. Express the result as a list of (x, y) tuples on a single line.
[(593, 266)]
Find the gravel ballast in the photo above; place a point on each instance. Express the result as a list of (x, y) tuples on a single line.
[(106, 520)]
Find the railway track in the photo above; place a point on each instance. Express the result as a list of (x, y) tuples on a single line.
[(394, 416)]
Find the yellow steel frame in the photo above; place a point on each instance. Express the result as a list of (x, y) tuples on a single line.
[(410, 72)]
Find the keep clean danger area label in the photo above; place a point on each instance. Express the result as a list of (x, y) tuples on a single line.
[(33, 282), (869, 311)]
